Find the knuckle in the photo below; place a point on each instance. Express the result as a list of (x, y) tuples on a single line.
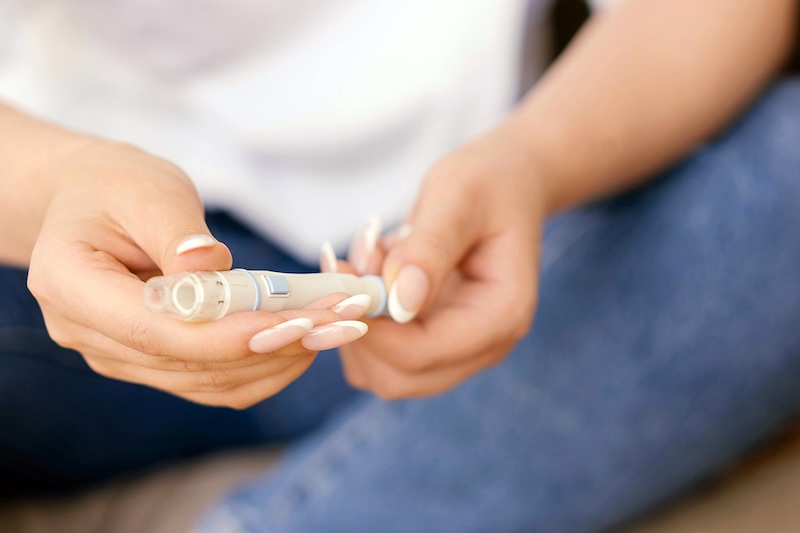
[(239, 403), (521, 324), (140, 336), (447, 168), (414, 363), (392, 390), (355, 378), (214, 381), (37, 284), (517, 320), (175, 363), (61, 335), (519, 330), (43, 283), (220, 350), (100, 368)]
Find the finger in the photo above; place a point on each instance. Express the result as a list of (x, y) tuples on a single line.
[(366, 372), (169, 225), (395, 236), (476, 317), (329, 263), (251, 393), (214, 378), (112, 304), (444, 229), (107, 351), (334, 335), (354, 307), (366, 253)]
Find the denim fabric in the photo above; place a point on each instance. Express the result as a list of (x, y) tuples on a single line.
[(667, 343), (64, 427)]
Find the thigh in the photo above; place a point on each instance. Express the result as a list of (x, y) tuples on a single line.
[(665, 345), (63, 426)]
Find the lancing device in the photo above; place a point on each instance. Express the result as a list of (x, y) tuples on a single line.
[(199, 296)]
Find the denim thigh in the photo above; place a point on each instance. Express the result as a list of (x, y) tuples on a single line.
[(666, 344), (62, 426)]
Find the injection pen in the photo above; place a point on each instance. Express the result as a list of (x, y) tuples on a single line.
[(199, 296)]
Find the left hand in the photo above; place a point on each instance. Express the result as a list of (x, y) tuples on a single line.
[(462, 279)]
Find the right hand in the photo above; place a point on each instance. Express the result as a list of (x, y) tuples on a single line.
[(115, 216)]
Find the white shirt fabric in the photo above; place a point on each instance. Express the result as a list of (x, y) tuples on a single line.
[(303, 117)]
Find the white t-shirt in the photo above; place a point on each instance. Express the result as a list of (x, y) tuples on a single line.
[(301, 116)]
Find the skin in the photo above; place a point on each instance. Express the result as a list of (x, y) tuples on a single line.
[(101, 218), (641, 86), (92, 218)]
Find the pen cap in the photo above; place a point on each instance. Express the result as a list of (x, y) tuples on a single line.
[(192, 296)]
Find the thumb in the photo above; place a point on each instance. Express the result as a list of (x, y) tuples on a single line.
[(437, 236), (177, 238)]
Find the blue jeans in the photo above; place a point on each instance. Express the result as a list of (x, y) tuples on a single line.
[(63, 427), (665, 345)]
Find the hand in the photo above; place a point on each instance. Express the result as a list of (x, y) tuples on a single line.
[(462, 273), (115, 216)]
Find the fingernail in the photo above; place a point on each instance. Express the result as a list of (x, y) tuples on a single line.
[(403, 232), (327, 258), (408, 293), (396, 236), (334, 335), (364, 244), (194, 242), (279, 336), (353, 307)]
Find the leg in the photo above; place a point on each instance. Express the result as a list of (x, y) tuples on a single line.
[(64, 426), (666, 344)]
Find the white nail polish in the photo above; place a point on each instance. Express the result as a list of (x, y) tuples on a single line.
[(273, 338), (372, 231), (361, 300), (396, 311), (403, 232), (302, 322), (328, 261), (194, 242), (357, 324), (365, 243)]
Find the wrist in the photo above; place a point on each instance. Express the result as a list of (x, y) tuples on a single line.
[(515, 161), (27, 148)]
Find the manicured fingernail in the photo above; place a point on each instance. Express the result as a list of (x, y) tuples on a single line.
[(353, 307), (194, 242), (334, 335), (396, 236), (364, 244), (403, 232), (279, 336), (327, 258), (408, 293)]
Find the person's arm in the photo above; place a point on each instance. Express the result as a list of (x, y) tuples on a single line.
[(26, 146), (641, 85), (91, 218)]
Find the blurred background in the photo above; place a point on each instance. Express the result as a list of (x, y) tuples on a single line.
[(761, 493)]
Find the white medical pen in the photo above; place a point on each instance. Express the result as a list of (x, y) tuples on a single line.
[(198, 296)]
